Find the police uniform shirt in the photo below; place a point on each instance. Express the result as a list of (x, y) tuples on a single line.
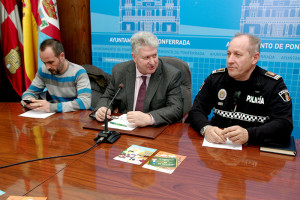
[(261, 104)]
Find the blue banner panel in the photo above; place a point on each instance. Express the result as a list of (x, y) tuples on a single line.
[(199, 32)]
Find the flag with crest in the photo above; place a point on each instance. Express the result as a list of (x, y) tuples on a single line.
[(11, 39), (20, 46)]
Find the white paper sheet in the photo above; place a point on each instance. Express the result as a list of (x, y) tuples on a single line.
[(36, 114), (227, 145), (121, 123)]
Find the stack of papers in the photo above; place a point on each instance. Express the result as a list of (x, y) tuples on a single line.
[(122, 123)]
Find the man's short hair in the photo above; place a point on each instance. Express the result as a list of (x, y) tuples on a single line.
[(142, 39), (56, 46), (253, 40)]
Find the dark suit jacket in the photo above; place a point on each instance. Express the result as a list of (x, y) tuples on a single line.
[(164, 100)]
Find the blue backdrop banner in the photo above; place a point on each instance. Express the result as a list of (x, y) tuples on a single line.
[(199, 32)]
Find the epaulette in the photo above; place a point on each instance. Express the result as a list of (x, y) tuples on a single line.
[(273, 75), (219, 70)]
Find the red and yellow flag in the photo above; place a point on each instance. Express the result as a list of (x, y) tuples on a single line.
[(20, 48), (11, 39), (40, 22), (30, 34)]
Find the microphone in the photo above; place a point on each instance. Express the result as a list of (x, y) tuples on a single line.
[(110, 136), (121, 86)]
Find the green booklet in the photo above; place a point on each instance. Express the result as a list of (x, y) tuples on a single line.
[(164, 162)]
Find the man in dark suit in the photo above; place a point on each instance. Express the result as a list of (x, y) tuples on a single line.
[(163, 101)]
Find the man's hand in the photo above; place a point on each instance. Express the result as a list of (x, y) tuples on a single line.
[(42, 105), (100, 114), (139, 119), (236, 134), (214, 134)]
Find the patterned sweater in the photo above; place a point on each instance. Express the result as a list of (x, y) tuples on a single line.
[(69, 91)]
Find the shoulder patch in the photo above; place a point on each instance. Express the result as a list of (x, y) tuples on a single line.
[(285, 95), (219, 70), (273, 75)]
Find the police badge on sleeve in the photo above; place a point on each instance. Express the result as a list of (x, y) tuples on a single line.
[(285, 95)]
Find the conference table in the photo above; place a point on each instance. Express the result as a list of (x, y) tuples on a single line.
[(205, 173)]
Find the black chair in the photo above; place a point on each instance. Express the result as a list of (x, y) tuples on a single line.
[(186, 80), (99, 81)]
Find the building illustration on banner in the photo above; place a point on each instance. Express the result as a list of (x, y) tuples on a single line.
[(271, 18), (156, 16)]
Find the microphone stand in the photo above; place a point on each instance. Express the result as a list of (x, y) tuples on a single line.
[(110, 136)]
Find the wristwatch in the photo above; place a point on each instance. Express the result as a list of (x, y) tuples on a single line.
[(203, 129)]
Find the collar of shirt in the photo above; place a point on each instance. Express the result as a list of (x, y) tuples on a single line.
[(138, 78)]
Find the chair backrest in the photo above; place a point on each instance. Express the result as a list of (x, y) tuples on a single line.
[(99, 81), (186, 79)]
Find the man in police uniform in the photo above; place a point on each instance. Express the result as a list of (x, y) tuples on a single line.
[(250, 104)]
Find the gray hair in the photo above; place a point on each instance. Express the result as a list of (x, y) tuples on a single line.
[(253, 40), (142, 39)]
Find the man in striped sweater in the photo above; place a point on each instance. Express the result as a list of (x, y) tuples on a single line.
[(67, 83)]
